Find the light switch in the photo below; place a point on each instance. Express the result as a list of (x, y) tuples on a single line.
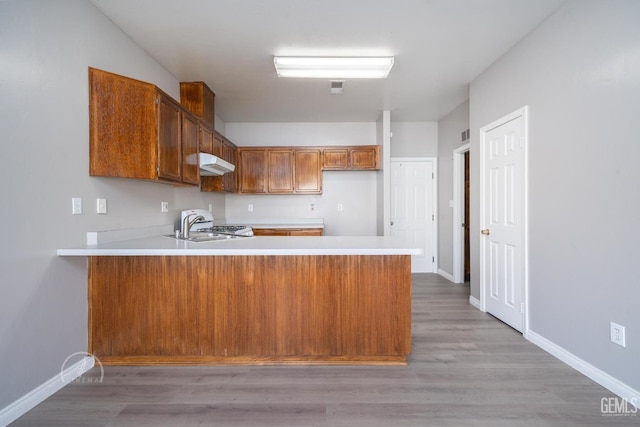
[(101, 206), (164, 206), (76, 206)]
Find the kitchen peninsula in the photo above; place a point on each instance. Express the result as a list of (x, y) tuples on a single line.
[(256, 300)]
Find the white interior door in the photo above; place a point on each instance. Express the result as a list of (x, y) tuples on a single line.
[(413, 216), (503, 219)]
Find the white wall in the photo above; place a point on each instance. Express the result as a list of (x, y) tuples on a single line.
[(579, 73), (449, 129), (414, 139), (306, 134), (355, 190), (45, 50)]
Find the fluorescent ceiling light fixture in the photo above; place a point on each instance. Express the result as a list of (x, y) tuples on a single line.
[(333, 67)]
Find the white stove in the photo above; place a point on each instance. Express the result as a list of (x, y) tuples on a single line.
[(205, 225), (239, 230)]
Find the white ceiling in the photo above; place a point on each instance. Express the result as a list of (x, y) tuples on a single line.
[(439, 47)]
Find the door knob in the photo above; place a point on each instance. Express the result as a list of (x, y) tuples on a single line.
[(485, 232)]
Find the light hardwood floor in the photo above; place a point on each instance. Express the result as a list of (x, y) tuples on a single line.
[(467, 369)]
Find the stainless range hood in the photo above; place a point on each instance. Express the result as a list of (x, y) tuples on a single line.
[(211, 165)]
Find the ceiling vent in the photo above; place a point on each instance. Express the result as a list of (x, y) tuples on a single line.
[(336, 86)]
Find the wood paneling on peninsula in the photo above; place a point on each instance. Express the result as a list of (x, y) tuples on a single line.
[(250, 309)]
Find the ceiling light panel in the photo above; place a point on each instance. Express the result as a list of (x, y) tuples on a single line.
[(333, 67)]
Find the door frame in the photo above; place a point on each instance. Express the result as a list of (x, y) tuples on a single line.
[(434, 162), (524, 113), (458, 212)]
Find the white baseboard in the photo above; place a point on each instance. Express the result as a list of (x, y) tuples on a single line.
[(36, 396), (474, 302), (446, 275), (605, 380)]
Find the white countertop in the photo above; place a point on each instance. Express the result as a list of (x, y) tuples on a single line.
[(259, 245)]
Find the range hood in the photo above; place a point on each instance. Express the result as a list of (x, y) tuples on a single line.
[(211, 165)]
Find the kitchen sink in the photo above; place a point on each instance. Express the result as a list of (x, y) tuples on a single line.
[(195, 236)]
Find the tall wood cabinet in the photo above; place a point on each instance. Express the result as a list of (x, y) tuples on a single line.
[(136, 131)]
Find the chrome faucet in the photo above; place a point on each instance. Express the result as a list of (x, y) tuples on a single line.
[(186, 224)]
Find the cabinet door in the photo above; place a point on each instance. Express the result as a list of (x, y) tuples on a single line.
[(364, 157), (335, 158), (308, 174), (123, 116), (230, 179), (197, 98), (218, 143), (169, 144), (305, 232), (253, 171), (206, 140), (270, 232), (190, 145), (280, 170)]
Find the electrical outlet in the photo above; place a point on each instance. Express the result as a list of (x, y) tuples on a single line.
[(617, 334), (164, 206), (210, 207), (101, 206), (340, 207), (313, 206), (250, 207), (76, 206)]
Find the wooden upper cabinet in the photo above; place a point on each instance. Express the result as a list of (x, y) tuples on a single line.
[(199, 100), (335, 158), (229, 152), (134, 129), (365, 157), (357, 157), (190, 149), (280, 170), (206, 140), (252, 170), (169, 158), (308, 173), (228, 182), (218, 143)]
